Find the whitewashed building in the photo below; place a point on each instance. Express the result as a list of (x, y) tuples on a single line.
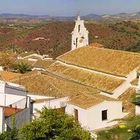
[(92, 112), (33, 56), (51, 103), (95, 112), (14, 106)]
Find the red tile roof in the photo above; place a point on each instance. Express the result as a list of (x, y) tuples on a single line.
[(9, 111)]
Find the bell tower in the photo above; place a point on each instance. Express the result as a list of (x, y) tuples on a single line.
[(79, 35)]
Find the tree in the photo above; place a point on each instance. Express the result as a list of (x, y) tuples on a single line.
[(22, 67), (12, 134), (136, 133), (54, 125), (7, 60)]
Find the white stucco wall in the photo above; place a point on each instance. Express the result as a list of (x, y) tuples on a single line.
[(91, 118), (1, 120), (38, 69), (82, 114), (137, 110), (53, 104), (132, 75), (35, 97), (114, 110), (11, 93), (57, 103), (2, 86), (8, 99)]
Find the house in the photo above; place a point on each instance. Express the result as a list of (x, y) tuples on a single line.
[(36, 61), (95, 112), (14, 106), (30, 56)]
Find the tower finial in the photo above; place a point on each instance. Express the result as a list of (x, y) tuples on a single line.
[(78, 15), (78, 18)]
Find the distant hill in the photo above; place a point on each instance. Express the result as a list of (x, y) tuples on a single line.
[(119, 16), (8, 15), (91, 17), (123, 16)]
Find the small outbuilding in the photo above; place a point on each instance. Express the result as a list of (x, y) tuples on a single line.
[(95, 111)]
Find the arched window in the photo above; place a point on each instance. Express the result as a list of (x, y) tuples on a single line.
[(79, 28), (76, 42)]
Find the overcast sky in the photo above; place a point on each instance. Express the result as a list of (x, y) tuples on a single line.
[(68, 7)]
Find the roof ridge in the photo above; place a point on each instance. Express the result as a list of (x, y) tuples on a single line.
[(121, 51)]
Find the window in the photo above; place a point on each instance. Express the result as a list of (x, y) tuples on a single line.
[(104, 115), (76, 42)]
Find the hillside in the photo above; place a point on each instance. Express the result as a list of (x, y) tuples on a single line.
[(55, 37)]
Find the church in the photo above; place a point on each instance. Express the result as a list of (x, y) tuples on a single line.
[(113, 74)]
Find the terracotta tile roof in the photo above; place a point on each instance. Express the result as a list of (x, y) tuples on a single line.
[(27, 75), (49, 85), (9, 111), (127, 98), (98, 80), (43, 64), (7, 76), (86, 101), (135, 82), (138, 70), (114, 62)]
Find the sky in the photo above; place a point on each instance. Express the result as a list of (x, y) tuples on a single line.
[(68, 7)]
